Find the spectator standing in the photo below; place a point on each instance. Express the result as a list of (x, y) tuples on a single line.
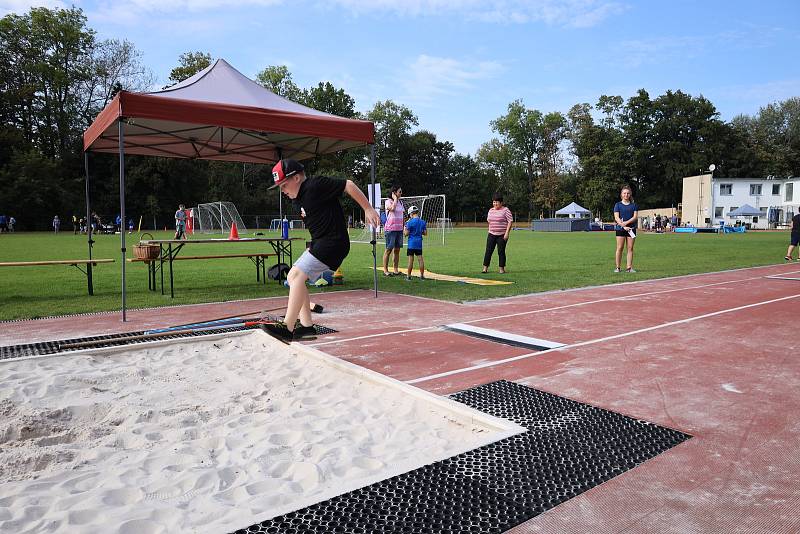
[(74, 224), (3, 223), (180, 222), (415, 228), (130, 226), (500, 220), (118, 224), (56, 224), (794, 239), (11, 223), (393, 231), (625, 214)]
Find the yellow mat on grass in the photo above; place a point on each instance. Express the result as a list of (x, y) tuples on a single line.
[(459, 279)]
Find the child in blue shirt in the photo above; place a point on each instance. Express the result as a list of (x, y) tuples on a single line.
[(415, 228)]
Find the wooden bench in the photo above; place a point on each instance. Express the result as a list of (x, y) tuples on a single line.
[(258, 258), (87, 264)]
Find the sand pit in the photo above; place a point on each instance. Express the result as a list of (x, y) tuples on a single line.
[(207, 435)]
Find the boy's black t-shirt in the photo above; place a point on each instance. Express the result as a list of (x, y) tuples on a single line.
[(319, 198), (796, 224)]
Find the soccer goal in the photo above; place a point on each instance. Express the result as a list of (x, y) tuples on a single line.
[(432, 209), (217, 217)]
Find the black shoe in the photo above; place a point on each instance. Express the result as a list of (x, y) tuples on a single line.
[(317, 308), (303, 332), (279, 330)]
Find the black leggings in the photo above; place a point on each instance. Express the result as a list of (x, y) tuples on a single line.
[(491, 241)]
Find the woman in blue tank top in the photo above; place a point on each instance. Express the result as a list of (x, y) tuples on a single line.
[(626, 213)]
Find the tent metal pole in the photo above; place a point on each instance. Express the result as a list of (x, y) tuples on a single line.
[(280, 195), (120, 124), (373, 201), (88, 224)]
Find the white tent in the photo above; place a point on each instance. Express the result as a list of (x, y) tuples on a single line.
[(574, 211), (745, 211)]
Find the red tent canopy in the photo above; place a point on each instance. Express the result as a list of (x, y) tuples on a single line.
[(220, 114), (217, 114)]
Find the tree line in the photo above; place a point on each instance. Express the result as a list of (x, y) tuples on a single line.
[(56, 75)]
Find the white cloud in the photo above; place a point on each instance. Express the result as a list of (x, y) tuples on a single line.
[(151, 6), (659, 49), (570, 13), (755, 96), (428, 77), (126, 12), (23, 6)]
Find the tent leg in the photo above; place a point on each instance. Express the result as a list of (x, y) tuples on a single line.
[(122, 211), (88, 224), (373, 201)]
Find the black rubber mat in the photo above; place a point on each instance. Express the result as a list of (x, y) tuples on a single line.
[(569, 448), (52, 347)]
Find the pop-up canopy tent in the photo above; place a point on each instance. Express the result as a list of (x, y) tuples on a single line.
[(217, 114), (574, 211), (745, 211)]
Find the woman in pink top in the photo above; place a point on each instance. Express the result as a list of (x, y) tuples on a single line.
[(499, 219), (393, 230)]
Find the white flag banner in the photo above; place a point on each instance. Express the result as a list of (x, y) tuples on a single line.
[(374, 195)]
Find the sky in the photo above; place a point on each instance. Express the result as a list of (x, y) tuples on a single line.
[(457, 64)]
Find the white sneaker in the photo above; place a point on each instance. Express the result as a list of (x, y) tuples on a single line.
[(631, 270), (617, 270)]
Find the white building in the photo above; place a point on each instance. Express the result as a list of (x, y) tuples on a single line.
[(708, 200)]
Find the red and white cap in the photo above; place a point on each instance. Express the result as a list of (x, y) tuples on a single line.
[(284, 169)]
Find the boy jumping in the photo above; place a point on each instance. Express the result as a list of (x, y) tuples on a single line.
[(414, 230), (318, 196)]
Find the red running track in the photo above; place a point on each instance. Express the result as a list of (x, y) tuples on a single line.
[(713, 355)]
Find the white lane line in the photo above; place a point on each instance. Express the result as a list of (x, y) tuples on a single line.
[(499, 335), (612, 299), (554, 308), (600, 340), (369, 336)]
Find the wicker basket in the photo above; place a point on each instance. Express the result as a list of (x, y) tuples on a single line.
[(146, 252)]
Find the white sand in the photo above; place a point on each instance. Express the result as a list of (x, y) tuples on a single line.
[(207, 436)]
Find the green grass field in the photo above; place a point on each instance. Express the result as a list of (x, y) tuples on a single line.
[(536, 262)]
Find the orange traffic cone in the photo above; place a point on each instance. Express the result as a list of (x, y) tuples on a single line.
[(234, 232)]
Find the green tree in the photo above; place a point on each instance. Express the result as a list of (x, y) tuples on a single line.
[(521, 130), (549, 187), (506, 174), (600, 158), (115, 65), (278, 79), (189, 64), (44, 60), (468, 188), (393, 123), (773, 137), (325, 97)]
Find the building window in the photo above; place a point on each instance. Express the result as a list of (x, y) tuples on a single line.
[(733, 208), (763, 211), (789, 191), (776, 189), (718, 211), (725, 189), (755, 190)]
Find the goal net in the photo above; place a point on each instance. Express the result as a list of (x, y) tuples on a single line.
[(217, 217), (432, 209)]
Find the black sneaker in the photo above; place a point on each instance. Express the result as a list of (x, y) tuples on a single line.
[(279, 330), (303, 332)]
